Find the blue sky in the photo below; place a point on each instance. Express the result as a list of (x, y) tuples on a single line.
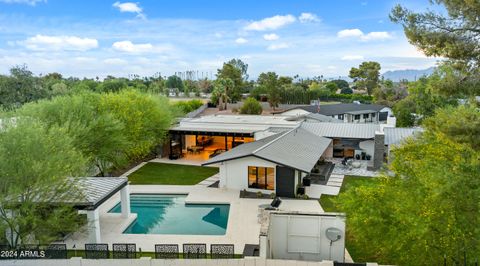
[(307, 37)]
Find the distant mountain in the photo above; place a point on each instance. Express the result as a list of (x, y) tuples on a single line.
[(408, 74)]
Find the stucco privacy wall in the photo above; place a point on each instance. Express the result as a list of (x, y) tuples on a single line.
[(159, 262), (234, 173)]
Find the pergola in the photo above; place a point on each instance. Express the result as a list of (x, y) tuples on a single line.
[(95, 191)]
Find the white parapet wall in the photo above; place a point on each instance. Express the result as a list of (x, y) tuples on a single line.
[(159, 262)]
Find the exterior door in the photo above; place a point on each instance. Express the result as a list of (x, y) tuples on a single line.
[(285, 182)]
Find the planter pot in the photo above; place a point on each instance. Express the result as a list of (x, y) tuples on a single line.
[(306, 182), (301, 190)]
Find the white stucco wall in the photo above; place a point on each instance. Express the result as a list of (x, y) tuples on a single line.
[(234, 173), (367, 146), (302, 237)]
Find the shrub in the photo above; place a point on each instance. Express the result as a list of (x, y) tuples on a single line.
[(189, 106), (259, 194), (251, 107), (346, 91)]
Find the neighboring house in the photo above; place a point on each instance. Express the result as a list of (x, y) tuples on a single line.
[(347, 112), (276, 163)]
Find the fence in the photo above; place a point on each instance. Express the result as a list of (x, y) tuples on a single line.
[(119, 251)]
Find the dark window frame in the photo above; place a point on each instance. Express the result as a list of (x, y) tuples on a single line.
[(365, 116), (356, 117), (265, 178)]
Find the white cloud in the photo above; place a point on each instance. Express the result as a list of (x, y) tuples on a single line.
[(271, 37), (308, 17), (349, 33), (130, 7), (271, 23), (241, 40), (72, 43), (352, 57), (278, 46), (377, 35), (356, 33), (129, 47), (27, 2)]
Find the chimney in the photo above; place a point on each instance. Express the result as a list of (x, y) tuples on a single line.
[(378, 151), (392, 121)]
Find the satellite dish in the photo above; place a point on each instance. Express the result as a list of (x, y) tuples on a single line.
[(333, 234)]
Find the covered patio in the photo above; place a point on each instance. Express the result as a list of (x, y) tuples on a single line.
[(94, 191)]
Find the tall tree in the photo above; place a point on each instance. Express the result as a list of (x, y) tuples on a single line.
[(220, 94), (427, 208), (454, 35), (234, 73), (239, 64), (34, 165), (174, 82), (270, 84), (366, 76)]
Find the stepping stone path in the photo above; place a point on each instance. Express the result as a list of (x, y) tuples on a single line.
[(209, 181)]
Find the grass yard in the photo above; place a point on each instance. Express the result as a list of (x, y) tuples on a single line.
[(329, 205), (170, 174), (327, 201)]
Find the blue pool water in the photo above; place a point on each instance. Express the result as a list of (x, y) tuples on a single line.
[(168, 214)]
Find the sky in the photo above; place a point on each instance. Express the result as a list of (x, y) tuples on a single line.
[(96, 38)]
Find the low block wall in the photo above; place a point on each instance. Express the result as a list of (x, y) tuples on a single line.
[(155, 262)]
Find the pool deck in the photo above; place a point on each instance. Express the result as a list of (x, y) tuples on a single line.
[(243, 226)]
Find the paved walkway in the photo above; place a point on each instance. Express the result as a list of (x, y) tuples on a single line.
[(332, 187), (209, 181)]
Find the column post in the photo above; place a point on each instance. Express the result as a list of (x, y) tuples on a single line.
[(125, 201), (93, 219)]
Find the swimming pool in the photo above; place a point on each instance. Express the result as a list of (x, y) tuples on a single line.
[(169, 214)]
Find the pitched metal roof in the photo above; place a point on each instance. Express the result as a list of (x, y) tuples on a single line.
[(323, 118), (297, 148), (341, 108), (342, 130), (396, 135), (90, 192)]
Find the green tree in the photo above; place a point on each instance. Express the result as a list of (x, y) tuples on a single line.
[(146, 119), (269, 82), (251, 107), (234, 73), (20, 87), (98, 135), (331, 86), (341, 84), (221, 91), (174, 82), (366, 76), (453, 34), (428, 206), (34, 165), (239, 64)]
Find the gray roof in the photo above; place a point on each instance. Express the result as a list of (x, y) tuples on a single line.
[(342, 130), (395, 135), (297, 148), (342, 108), (323, 118), (204, 129), (93, 191)]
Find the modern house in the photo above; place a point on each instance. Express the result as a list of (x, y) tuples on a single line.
[(346, 112), (273, 164)]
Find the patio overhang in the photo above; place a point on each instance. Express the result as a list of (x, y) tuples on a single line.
[(213, 132)]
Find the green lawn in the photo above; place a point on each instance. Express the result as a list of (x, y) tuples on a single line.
[(328, 204), (170, 174), (327, 201)]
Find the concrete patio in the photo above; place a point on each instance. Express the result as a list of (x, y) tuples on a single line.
[(243, 227)]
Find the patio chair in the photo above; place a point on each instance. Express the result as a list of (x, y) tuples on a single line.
[(166, 251), (194, 251), (222, 251), (124, 251), (274, 205), (96, 251)]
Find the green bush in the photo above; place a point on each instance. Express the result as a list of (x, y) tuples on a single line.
[(189, 106), (251, 107)]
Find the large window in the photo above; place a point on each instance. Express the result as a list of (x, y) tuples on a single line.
[(261, 177), (365, 116), (357, 117)]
